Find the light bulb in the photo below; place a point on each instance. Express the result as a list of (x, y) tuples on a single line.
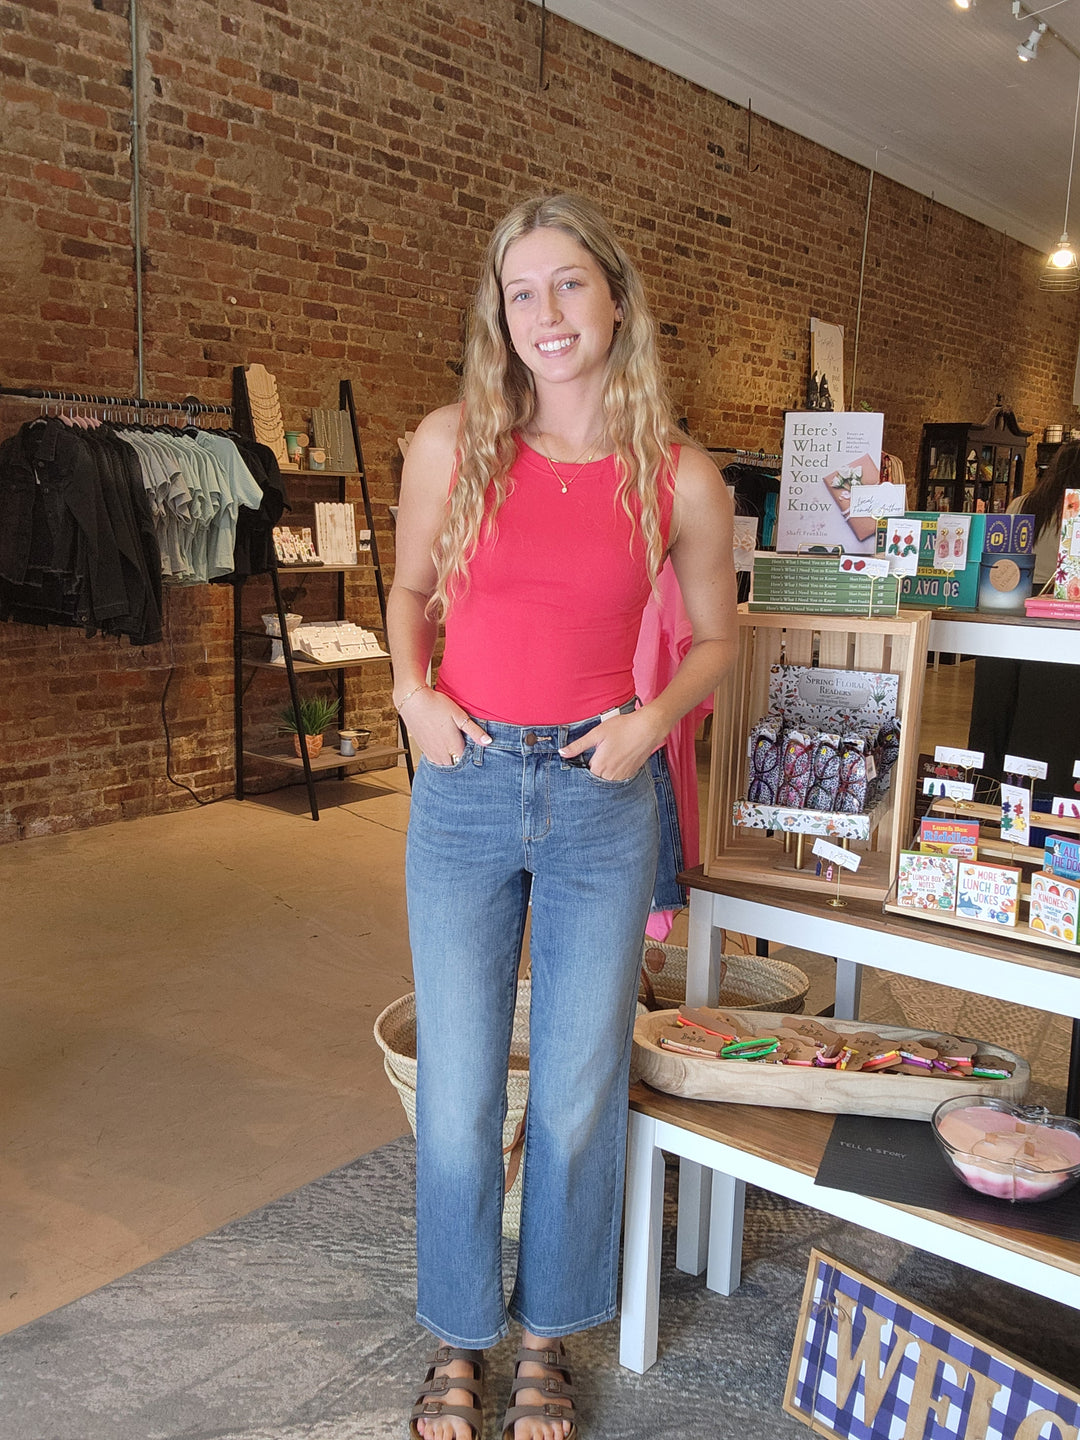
[(1063, 256), (965, 4)]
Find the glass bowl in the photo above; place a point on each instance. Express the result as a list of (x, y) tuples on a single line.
[(1013, 1152)]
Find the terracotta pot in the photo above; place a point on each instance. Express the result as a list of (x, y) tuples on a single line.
[(314, 745)]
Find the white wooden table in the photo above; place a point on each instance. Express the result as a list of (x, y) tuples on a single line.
[(780, 1150), (713, 1171)]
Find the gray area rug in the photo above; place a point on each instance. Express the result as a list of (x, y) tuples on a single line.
[(295, 1323)]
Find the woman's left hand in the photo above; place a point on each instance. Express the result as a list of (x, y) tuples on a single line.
[(620, 745)]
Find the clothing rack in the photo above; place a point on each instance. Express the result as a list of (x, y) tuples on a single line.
[(753, 457), (192, 405)]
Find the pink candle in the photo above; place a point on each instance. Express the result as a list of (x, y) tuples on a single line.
[(1003, 1155)]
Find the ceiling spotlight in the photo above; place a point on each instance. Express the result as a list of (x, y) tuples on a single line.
[(1030, 47), (964, 4)]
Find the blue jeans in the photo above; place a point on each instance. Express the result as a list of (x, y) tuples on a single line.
[(510, 821)]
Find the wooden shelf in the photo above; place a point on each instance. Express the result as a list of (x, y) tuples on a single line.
[(326, 759), (312, 666), (284, 570)]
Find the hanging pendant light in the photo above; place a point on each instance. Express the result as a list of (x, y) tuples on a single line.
[(1062, 270)]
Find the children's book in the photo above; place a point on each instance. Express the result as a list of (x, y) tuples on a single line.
[(1061, 856), (926, 882), (949, 837), (989, 893), (1053, 906)]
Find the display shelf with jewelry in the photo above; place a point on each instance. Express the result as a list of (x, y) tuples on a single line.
[(248, 662)]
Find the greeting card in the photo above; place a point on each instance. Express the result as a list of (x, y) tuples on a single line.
[(989, 893), (1053, 906), (926, 882)]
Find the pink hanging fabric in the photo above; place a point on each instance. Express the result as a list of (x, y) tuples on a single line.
[(665, 638)]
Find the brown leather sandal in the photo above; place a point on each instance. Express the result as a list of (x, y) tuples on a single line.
[(557, 1389), (429, 1407)]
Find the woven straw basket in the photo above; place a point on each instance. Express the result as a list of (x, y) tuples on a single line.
[(395, 1031), (751, 982)]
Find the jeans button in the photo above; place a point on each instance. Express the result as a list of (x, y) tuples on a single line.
[(530, 738)]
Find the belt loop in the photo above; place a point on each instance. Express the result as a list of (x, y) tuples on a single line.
[(478, 750), (562, 739)]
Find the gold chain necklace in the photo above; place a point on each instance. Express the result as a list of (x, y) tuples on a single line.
[(566, 481)]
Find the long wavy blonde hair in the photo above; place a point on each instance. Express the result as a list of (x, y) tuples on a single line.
[(498, 398)]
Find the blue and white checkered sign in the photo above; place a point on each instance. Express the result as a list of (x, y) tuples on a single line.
[(872, 1368)]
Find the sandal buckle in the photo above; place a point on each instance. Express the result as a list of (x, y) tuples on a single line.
[(550, 1357), (551, 1386), (558, 1411), (438, 1385), (433, 1407)]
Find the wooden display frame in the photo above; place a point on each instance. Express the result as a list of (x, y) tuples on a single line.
[(894, 644)]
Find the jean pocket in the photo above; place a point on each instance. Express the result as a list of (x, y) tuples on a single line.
[(456, 764), (613, 784)]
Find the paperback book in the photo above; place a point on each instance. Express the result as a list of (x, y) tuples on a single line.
[(1061, 856), (927, 882), (989, 893), (949, 837), (1053, 906)]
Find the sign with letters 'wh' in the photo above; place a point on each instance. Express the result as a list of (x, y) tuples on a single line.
[(870, 1365)]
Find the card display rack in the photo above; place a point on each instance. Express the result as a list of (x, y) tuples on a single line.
[(244, 660), (750, 851)]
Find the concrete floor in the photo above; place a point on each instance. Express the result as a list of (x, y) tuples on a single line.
[(186, 1012)]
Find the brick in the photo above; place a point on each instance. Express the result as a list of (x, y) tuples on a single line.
[(340, 186)]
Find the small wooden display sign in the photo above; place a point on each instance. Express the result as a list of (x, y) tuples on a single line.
[(871, 1365)]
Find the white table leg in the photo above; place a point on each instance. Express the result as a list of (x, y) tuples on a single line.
[(848, 990), (644, 1218), (704, 946), (692, 1235), (726, 1233)]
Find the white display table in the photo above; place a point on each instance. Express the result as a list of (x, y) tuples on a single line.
[(780, 1150), (723, 1146), (1008, 637)]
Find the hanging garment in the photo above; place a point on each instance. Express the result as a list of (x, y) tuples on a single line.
[(88, 556), (665, 637)]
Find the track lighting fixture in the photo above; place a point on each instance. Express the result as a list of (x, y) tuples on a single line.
[(1029, 48)]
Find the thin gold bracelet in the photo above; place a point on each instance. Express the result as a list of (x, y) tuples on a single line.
[(422, 686)]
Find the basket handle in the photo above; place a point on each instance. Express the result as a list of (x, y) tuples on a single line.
[(515, 1151)]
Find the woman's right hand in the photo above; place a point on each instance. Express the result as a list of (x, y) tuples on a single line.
[(437, 724)]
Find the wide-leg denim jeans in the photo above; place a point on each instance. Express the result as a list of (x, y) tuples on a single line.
[(508, 821)]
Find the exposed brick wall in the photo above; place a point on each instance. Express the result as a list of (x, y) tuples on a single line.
[(318, 180)]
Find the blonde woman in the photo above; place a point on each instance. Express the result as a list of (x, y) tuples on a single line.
[(534, 518)]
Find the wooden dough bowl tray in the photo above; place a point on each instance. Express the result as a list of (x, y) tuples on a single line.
[(796, 1087)]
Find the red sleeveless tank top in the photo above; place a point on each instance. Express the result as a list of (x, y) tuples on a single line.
[(546, 631)]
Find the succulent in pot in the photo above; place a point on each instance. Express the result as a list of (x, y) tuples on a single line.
[(317, 714)]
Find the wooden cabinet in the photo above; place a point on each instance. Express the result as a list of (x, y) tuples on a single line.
[(965, 466)]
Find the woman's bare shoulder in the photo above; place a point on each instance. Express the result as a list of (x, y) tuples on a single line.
[(438, 431)]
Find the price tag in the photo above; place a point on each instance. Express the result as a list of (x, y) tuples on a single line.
[(1017, 765), (948, 789), (1076, 770), (966, 759), (837, 854)]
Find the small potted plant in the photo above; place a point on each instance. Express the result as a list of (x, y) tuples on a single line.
[(317, 713)]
